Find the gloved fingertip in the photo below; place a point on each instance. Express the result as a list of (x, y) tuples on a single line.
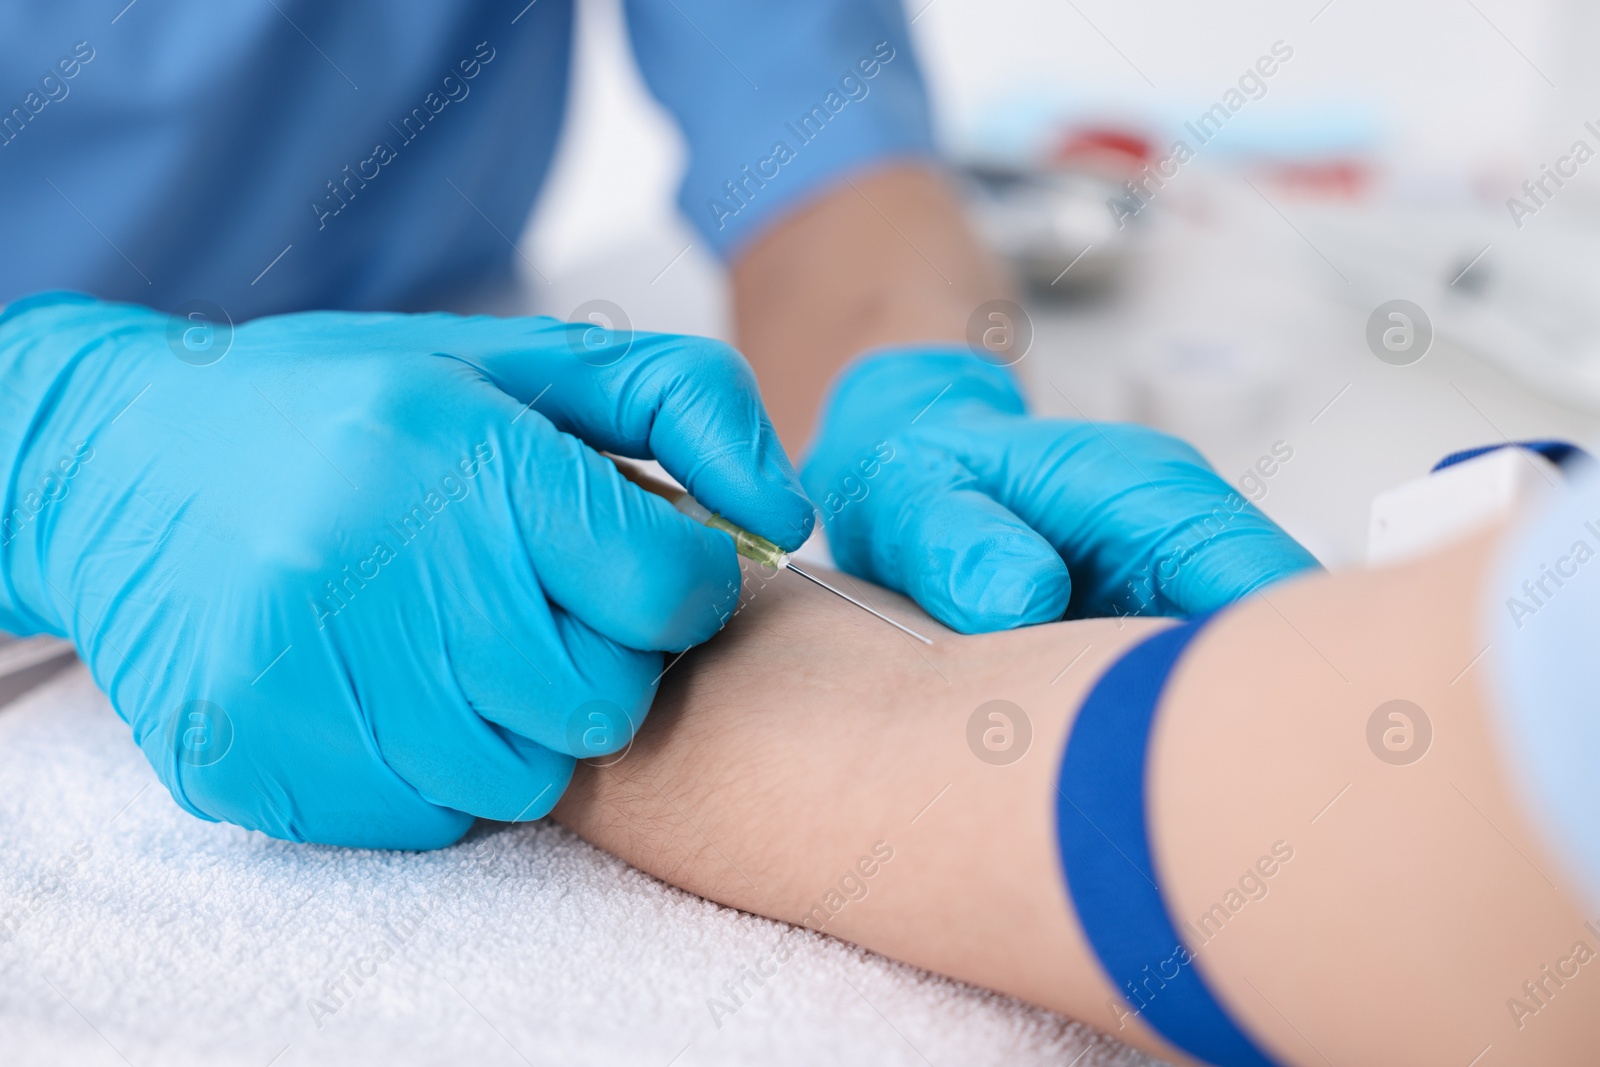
[(691, 608), (440, 832), (1302, 562), (1234, 567), (602, 726), (1271, 572), (1003, 584), (794, 518), (769, 500), (642, 573), (533, 798)]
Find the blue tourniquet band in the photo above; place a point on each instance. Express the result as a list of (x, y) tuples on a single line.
[(1103, 827), (1563, 454)]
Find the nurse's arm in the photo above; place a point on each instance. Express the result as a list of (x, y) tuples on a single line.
[(812, 765), (884, 257)]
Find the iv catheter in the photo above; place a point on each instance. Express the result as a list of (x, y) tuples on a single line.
[(747, 544)]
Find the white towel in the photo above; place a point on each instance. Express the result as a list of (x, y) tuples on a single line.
[(133, 933)]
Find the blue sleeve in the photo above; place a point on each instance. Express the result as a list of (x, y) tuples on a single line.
[(1544, 613), (778, 99)]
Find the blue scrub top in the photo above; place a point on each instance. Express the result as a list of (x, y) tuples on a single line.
[(279, 155)]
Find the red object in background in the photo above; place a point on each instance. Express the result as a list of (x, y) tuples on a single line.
[(1120, 153), (1102, 149), (1339, 179)]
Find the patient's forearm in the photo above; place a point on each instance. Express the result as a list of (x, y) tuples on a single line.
[(782, 754)]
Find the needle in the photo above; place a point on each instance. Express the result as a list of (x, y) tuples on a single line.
[(857, 603), (750, 546)]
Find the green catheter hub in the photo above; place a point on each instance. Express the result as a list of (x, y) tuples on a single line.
[(750, 546)]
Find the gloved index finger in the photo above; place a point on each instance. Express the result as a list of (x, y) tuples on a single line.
[(690, 403), (624, 563)]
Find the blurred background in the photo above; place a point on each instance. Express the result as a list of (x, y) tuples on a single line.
[(1355, 153)]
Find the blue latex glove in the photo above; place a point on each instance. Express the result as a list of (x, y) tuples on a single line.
[(931, 479), (346, 584)]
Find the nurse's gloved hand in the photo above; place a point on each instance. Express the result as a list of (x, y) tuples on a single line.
[(932, 480), (366, 577)]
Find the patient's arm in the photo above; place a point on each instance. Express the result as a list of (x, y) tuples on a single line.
[(809, 736)]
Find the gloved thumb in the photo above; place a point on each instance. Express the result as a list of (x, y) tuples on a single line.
[(971, 563), (1249, 554)]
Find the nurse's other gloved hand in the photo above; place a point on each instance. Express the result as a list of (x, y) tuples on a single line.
[(931, 479), (366, 576)]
